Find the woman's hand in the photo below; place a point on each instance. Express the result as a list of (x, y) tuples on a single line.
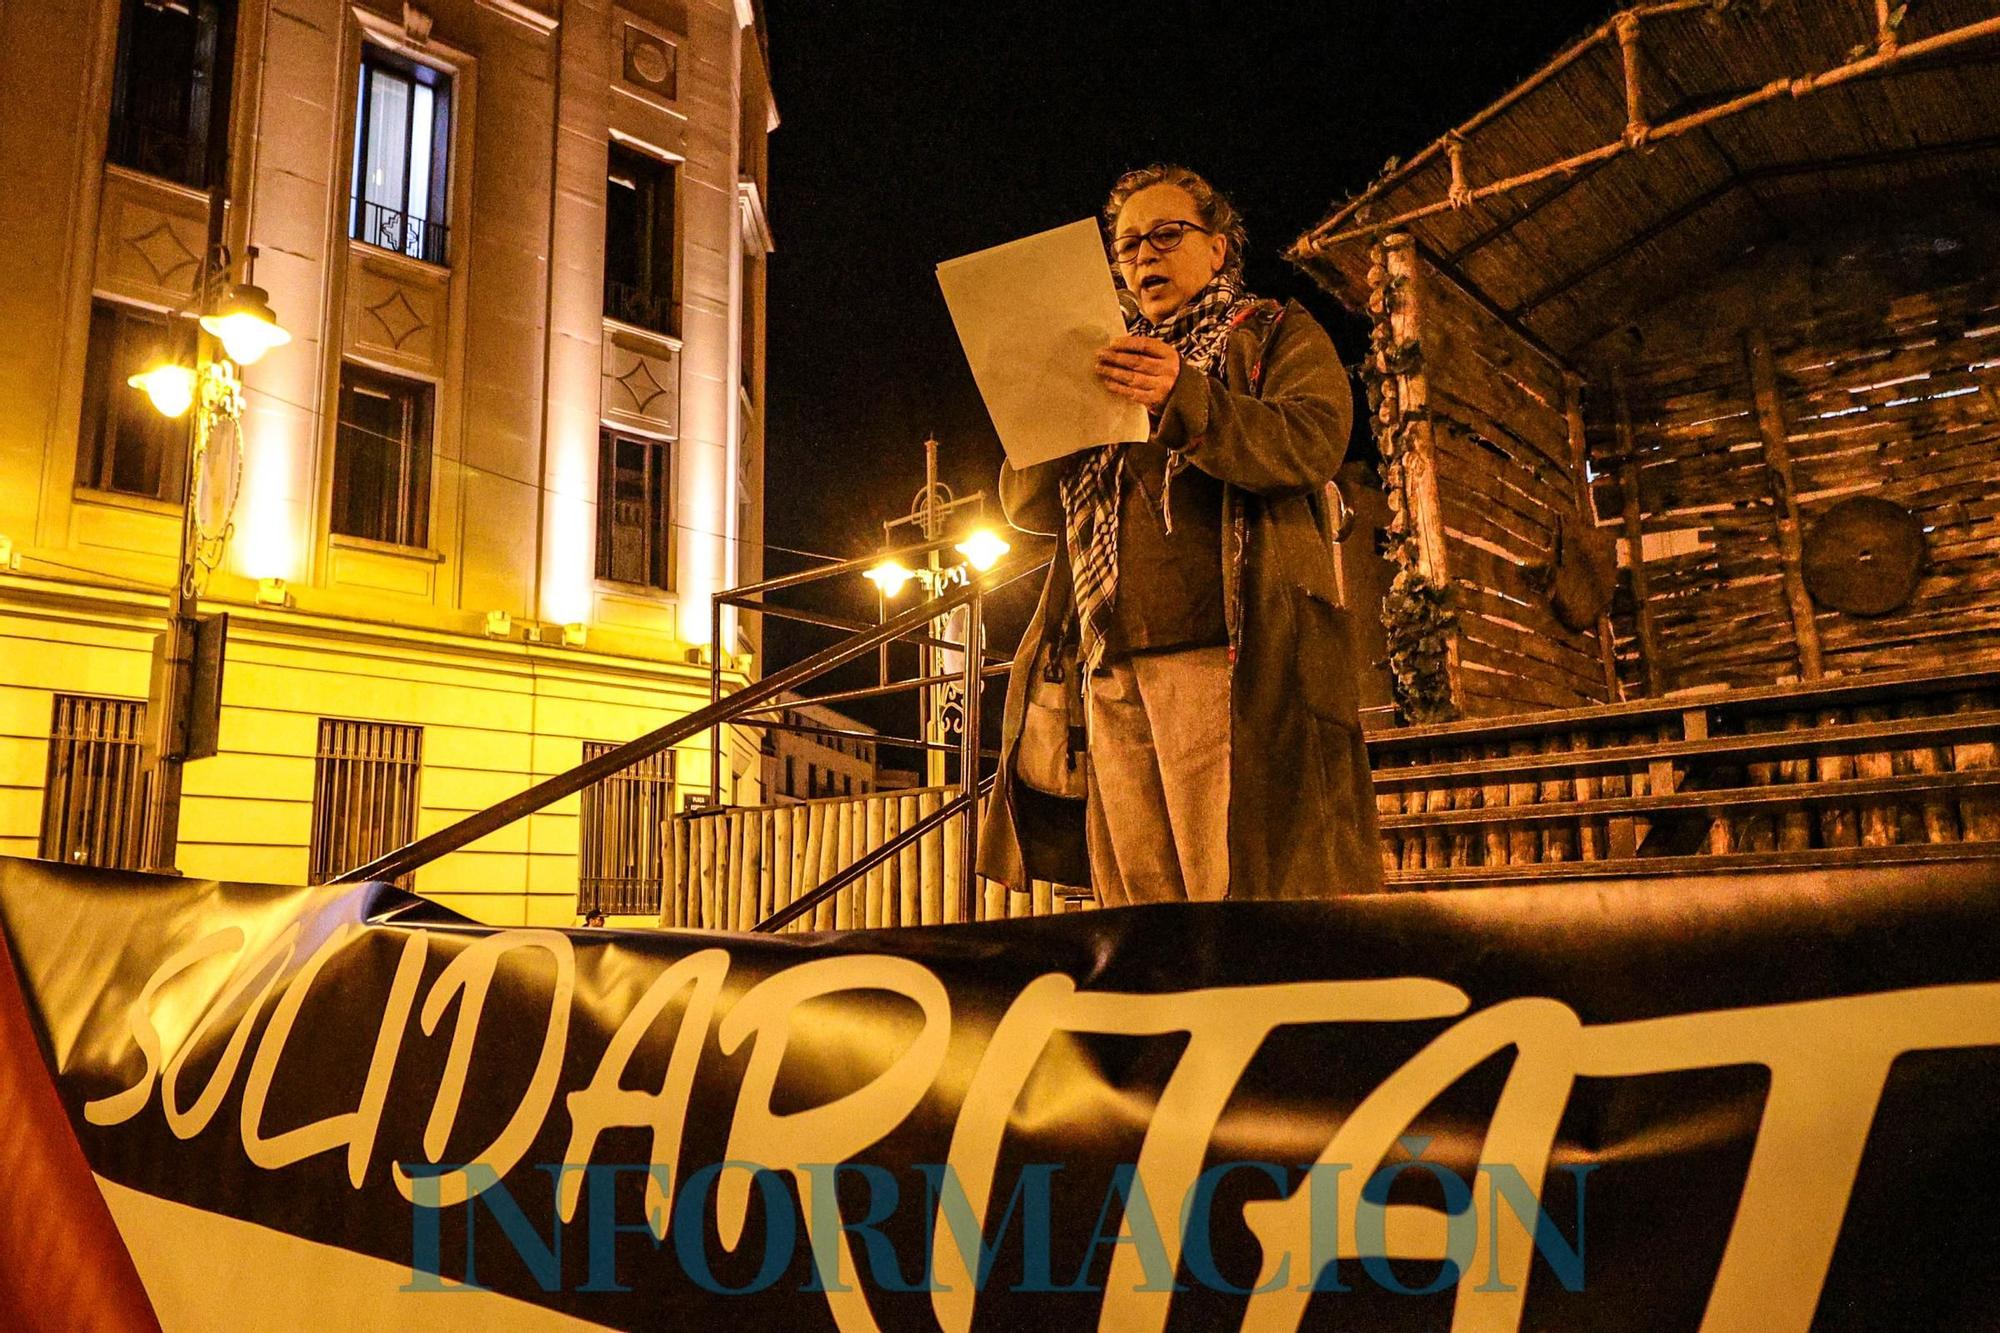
[(1140, 368)]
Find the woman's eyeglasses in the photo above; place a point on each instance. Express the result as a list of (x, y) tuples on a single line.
[(1165, 239)]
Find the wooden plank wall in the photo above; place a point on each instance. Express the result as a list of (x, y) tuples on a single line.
[(1902, 402), (1683, 435), (1907, 408), (1498, 410)]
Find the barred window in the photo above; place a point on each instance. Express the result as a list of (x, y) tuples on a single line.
[(621, 861), (364, 794), (94, 802)]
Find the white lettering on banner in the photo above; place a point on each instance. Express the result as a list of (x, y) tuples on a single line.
[(608, 1104), (834, 1131), (470, 975), (1828, 1060)]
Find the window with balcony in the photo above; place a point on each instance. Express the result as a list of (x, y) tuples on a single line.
[(382, 458), (364, 794), (639, 241), (621, 853), (124, 444), (402, 156), (94, 801), (171, 86), (635, 510)]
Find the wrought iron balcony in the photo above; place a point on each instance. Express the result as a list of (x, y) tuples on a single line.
[(638, 306), (159, 151), (392, 229)]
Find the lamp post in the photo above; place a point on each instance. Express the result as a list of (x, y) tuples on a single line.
[(938, 703), (237, 327), (942, 709)]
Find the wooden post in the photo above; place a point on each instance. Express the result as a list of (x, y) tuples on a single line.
[(1423, 509), (1878, 813), (1493, 794), (1778, 463), (1651, 665), (909, 907), (1524, 842), (1978, 812), (1637, 131), (1839, 825), (1586, 517)]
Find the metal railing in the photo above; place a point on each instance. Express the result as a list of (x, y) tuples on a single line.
[(393, 229), (639, 306), (170, 153), (763, 695)]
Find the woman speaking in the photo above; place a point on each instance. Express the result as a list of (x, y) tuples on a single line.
[(1193, 596)]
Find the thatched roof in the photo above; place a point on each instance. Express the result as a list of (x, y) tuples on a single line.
[(1749, 117)]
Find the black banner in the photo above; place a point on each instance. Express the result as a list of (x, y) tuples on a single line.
[(1703, 1104)]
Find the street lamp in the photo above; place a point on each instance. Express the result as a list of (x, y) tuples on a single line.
[(237, 329), (245, 325), (169, 385), (941, 707)]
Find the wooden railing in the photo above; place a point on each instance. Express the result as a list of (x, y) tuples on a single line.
[(1900, 768), (733, 867), (1863, 770)]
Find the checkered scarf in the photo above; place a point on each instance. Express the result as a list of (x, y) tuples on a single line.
[(1091, 493)]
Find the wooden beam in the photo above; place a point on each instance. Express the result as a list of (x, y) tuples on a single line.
[(1403, 270), (1635, 542), (1772, 431), (1586, 516)]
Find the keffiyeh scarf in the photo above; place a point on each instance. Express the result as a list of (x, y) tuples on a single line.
[(1199, 331)]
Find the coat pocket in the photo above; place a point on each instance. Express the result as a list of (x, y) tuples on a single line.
[(1323, 666)]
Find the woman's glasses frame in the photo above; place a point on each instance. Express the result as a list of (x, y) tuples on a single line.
[(1164, 238)]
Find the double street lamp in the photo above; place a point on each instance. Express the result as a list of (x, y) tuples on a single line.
[(943, 708), (237, 329)]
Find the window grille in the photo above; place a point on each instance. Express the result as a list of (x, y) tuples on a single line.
[(95, 800), (402, 150), (635, 511), (382, 458), (123, 443), (621, 862), (364, 794)]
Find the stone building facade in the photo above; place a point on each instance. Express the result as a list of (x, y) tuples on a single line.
[(484, 493)]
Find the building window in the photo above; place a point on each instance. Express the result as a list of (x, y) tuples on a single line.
[(124, 444), (382, 458), (364, 794), (171, 86), (621, 863), (639, 241), (402, 156), (94, 800), (635, 510)]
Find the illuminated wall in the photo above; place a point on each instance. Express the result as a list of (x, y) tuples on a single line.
[(505, 330)]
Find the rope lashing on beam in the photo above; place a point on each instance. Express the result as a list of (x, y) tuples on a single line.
[(1332, 233)]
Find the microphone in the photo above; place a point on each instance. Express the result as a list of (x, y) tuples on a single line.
[(1129, 305)]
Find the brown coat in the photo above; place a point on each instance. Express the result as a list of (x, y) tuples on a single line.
[(1301, 804)]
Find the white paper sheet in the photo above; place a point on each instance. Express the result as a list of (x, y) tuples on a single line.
[(1032, 315)]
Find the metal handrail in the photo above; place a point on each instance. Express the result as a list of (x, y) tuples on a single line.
[(451, 838)]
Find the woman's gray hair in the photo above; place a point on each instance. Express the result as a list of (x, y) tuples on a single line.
[(1217, 213)]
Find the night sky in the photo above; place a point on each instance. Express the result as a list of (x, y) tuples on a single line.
[(913, 133)]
